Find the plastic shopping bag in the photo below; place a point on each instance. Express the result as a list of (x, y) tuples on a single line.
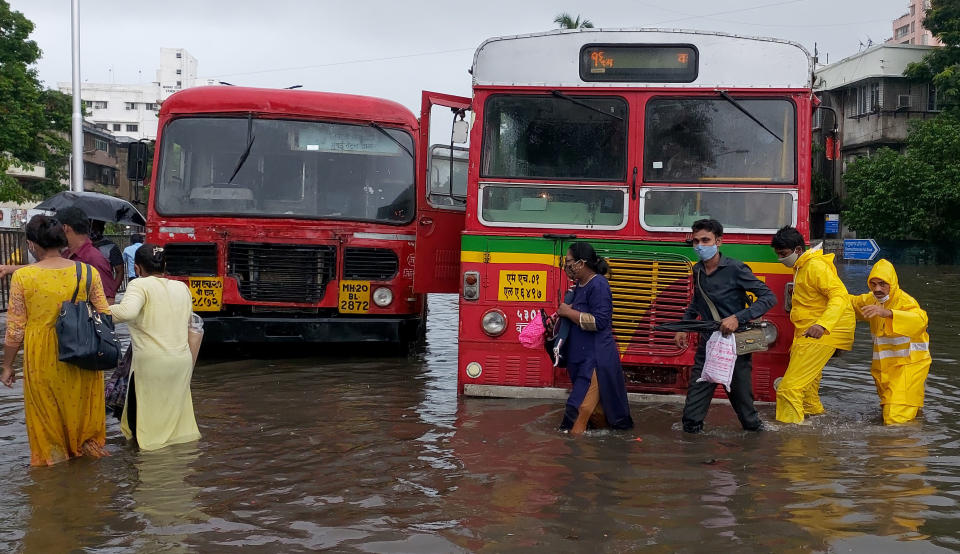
[(720, 359), (195, 335)]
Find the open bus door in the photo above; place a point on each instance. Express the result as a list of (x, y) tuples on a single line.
[(441, 196)]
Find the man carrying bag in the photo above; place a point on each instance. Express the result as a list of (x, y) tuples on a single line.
[(726, 281)]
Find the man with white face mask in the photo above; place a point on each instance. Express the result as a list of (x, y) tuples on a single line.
[(823, 322), (901, 346), (726, 281)]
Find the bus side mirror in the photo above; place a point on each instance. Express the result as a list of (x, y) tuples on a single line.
[(137, 153), (460, 131)]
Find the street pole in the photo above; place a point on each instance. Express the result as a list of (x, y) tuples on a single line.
[(76, 182)]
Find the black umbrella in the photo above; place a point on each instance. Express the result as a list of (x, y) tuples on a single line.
[(97, 206), (689, 325)]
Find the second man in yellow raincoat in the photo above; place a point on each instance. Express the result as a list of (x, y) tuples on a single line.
[(901, 346), (823, 322)]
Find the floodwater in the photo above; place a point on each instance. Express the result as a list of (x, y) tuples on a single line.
[(379, 455)]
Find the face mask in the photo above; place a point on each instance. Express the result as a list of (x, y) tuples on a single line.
[(884, 299), (706, 252), (790, 260)]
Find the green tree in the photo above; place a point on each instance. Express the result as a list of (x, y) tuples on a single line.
[(941, 66), (914, 195), (33, 122), (566, 21)]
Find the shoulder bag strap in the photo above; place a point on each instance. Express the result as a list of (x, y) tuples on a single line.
[(76, 290), (89, 280), (713, 309)]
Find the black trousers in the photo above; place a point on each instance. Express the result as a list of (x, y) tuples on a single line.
[(700, 394)]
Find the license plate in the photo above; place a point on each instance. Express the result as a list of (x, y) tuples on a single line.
[(354, 297), (522, 286), (207, 293)]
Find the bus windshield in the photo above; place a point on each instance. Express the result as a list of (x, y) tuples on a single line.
[(284, 168), (555, 137), (702, 140)]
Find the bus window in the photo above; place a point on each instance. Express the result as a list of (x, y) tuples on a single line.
[(745, 210), (442, 193), (567, 207), (703, 140), (285, 168), (555, 137)]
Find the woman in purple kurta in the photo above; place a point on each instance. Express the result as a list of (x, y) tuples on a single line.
[(599, 394)]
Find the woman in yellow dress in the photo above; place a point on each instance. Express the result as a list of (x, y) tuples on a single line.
[(158, 411), (64, 404)]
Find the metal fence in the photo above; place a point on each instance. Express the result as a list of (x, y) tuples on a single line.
[(13, 251)]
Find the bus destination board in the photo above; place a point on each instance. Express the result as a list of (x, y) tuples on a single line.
[(639, 63)]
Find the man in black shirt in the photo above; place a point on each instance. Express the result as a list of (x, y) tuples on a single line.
[(727, 282)]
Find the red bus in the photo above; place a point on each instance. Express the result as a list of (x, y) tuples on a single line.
[(623, 139), (291, 214)]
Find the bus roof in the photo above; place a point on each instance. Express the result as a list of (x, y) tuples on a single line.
[(551, 59), (302, 103)]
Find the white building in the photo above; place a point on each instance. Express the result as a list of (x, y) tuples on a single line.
[(131, 110)]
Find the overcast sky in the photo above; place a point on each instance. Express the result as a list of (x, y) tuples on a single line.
[(394, 49)]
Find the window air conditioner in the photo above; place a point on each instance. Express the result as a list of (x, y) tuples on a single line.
[(903, 101)]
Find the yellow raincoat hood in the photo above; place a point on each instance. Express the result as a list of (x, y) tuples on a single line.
[(884, 271)]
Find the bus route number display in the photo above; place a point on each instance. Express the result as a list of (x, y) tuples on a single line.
[(206, 293), (522, 286), (646, 63), (354, 297)]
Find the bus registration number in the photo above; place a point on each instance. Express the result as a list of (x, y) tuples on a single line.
[(207, 293), (522, 286), (354, 297)]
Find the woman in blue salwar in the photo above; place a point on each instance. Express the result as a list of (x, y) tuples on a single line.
[(599, 394)]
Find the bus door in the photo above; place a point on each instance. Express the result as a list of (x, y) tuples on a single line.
[(441, 192)]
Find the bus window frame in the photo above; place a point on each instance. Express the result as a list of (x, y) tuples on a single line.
[(578, 95), (625, 190), (739, 97), (696, 70), (642, 199), (430, 156)]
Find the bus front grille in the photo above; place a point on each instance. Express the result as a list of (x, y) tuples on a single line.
[(189, 259), (648, 289), (270, 272), (370, 264)]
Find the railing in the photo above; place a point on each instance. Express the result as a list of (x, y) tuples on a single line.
[(13, 251)]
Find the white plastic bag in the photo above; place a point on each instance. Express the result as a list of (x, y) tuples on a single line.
[(195, 335), (721, 357)]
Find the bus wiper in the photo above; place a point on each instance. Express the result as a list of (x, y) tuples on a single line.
[(391, 137), (740, 107), (559, 94), (243, 159)]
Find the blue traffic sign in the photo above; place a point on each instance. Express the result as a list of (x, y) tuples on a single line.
[(860, 249), (831, 225)]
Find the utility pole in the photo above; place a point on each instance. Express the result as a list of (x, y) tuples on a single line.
[(77, 119)]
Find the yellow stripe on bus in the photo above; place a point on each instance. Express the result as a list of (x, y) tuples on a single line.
[(510, 258), (775, 268)]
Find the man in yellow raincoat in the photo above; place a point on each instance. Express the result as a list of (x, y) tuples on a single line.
[(901, 347), (823, 322)]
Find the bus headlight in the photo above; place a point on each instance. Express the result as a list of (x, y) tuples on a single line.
[(494, 323), (382, 297)]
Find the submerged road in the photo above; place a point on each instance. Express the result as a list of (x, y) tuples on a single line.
[(359, 454)]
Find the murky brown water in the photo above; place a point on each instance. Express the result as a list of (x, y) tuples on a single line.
[(378, 455)]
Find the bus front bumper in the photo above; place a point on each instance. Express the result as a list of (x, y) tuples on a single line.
[(246, 329)]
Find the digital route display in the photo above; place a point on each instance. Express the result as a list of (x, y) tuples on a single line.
[(639, 63)]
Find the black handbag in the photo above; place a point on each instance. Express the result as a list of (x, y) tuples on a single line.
[(86, 338), (754, 336)]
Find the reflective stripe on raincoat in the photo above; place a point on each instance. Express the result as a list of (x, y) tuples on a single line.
[(819, 298), (901, 346)]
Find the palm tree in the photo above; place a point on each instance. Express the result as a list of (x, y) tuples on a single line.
[(564, 21)]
